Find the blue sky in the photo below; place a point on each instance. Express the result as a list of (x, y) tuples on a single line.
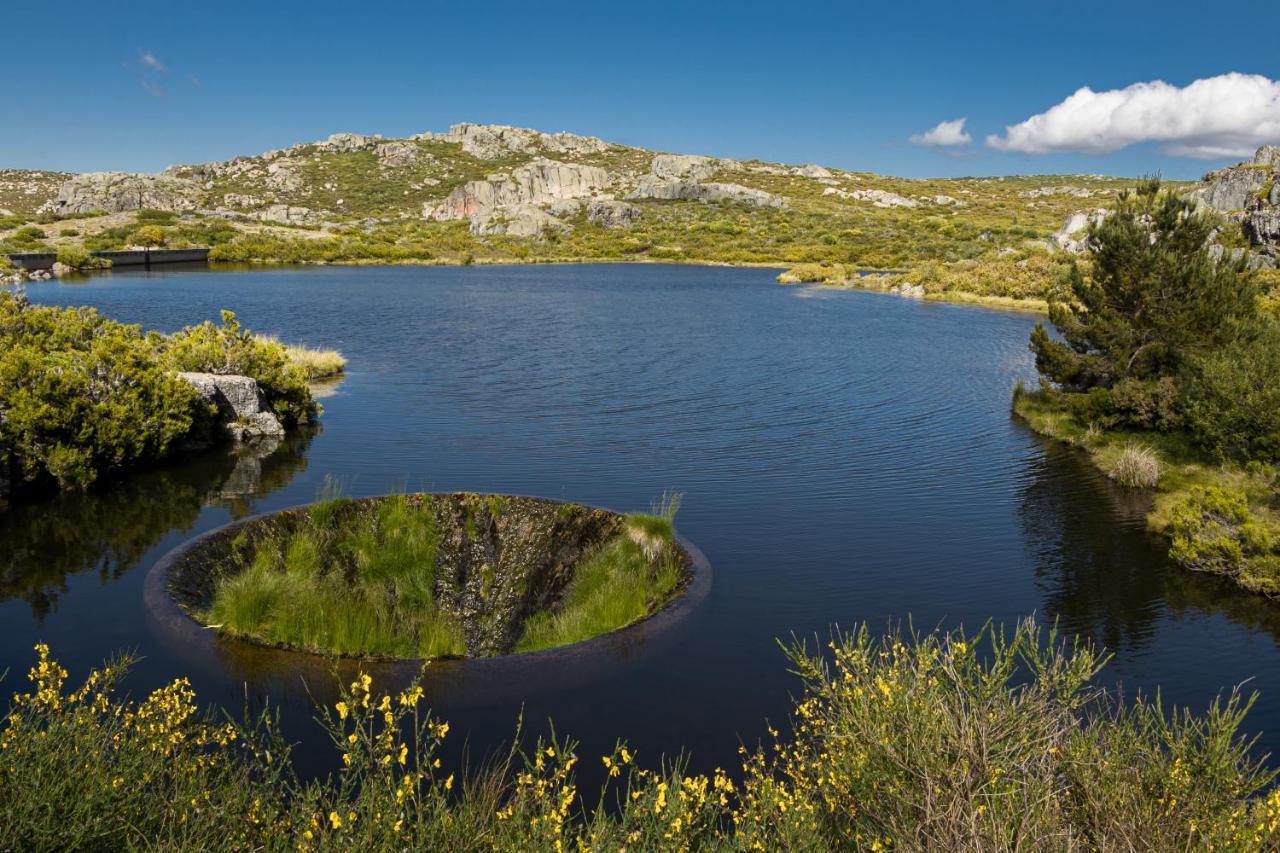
[(138, 86)]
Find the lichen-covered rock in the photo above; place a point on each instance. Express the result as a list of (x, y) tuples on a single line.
[(114, 192), (683, 166), (242, 410), (398, 154), (349, 142), (652, 186), (613, 214), (540, 182), (515, 220), (493, 141)]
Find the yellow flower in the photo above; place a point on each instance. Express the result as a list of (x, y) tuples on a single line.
[(404, 754), (448, 783), (343, 710), (335, 820)]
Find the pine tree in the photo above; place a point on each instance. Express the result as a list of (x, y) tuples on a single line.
[(1154, 299)]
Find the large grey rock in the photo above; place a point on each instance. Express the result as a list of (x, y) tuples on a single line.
[(1071, 236), (284, 213), (1262, 225), (1268, 155), (242, 408), (349, 142), (515, 220), (115, 192), (540, 182), (878, 198), (652, 186), (398, 154), (494, 141), (613, 214), (683, 166)]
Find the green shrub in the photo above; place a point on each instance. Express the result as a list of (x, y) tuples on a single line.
[(80, 259), (1214, 530), (81, 395), (231, 349), (1232, 400), (996, 741)]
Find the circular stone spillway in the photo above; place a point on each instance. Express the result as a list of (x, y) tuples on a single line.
[(431, 575)]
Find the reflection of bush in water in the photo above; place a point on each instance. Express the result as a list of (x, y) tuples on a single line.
[(42, 542), (1099, 571)]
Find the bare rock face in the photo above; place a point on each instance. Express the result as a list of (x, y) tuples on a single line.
[(683, 167), (243, 411), (285, 213), (613, 214), (1070, 237), (115, 192), (652, 186), (398, 154), (494, 141), (1234, 187), (515, 220), (541, 182), (349, 142)]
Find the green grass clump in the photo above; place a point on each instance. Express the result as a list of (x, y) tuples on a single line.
[(626, 579), (810, 273), (345, 578)]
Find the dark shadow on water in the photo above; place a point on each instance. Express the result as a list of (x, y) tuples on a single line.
[(1102, 573), (108, 530)]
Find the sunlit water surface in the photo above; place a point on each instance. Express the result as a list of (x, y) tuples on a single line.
[(845, 457)]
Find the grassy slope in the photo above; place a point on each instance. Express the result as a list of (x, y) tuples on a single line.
[(380, 219)]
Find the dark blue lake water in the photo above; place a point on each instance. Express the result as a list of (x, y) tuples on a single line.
[(845, 457)]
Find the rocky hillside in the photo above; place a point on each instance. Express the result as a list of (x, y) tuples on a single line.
[(1248, 193), (495, 193)]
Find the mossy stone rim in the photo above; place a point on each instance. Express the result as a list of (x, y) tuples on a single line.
[(171, 613)]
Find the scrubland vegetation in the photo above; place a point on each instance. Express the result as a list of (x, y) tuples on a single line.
[(82, 396), (942, 741), (1168, 371)]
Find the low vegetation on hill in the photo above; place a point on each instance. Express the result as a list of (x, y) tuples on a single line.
[(82, 396), (355, 199), (932, 742), (1167, 369)]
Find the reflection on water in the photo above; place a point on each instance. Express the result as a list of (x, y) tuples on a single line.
[(109, 530), (845, 456)]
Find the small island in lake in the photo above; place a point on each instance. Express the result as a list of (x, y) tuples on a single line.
[(429, 576)]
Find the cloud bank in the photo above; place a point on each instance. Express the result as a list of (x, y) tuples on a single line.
[(944, 133), (1215, 118)]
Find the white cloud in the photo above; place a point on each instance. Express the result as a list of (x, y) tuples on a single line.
[(149, 60), (1215, 118), (943, 133)]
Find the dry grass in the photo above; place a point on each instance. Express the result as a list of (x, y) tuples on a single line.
[(1136, 465), (317, 364)]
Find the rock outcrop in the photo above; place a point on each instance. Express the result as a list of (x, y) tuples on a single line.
[(613, 214), (1249, 193), (655, 187), (242, 410), (114, 192), (683, 166), (541, 182), (494, 141), (515, 220), (878, 198), (1071, 236)]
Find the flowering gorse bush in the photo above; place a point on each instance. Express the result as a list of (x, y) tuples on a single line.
[(944, 741)]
